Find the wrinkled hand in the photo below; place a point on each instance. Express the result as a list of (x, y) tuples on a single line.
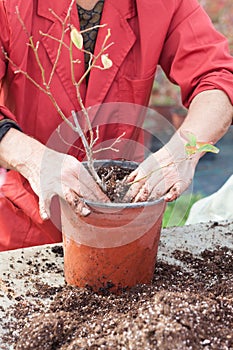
[(62, 175), (49, 172), (168, 172)]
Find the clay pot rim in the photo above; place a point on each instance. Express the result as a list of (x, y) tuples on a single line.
[(123, 205)]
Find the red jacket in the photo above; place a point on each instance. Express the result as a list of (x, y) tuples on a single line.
[(176, 34)]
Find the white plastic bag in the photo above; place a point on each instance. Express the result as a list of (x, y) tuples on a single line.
[(216, 207)]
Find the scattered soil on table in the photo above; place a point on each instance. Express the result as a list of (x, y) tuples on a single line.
[(182, 309)]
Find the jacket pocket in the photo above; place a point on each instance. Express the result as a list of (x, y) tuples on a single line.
[(136, 91)]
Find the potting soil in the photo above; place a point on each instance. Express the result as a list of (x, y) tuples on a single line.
[(189, 304)]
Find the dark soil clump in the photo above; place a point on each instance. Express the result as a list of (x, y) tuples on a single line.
[(113, 176), (183, 309)]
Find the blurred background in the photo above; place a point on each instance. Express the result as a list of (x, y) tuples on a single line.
[(213, 170)]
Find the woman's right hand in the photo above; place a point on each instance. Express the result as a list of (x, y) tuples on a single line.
[(49, 173), (63, 175)]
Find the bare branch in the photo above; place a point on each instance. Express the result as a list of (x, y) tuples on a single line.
[(55, 15), (44, 90), (108, 46), (94, 27), (86, 115), (68, 12), (65, 142), (80, 132), (89, 152), (95, 58), (61, 40), (99, 67), (32, 45), (19, 70), (92, 62), (55, 39), (88, 143), (21, 21), (34, 48), (96, 138), (118, 139)]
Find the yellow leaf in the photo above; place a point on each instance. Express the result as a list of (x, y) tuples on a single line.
[(107, 62), (76, 38)]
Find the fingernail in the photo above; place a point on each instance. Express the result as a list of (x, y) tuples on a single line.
[(85, 211), (44, 216), (168, 196)]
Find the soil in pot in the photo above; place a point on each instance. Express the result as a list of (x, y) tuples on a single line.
[(113, 176)]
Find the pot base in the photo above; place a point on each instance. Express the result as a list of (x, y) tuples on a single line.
[(112, 269)]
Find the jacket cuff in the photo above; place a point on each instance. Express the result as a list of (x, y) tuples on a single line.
[(6, 125)]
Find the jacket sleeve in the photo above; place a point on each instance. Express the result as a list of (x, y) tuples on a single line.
[(195, 56), (4, 44)]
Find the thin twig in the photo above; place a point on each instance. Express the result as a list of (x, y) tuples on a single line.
[(157, 169), (118, 139), (32, 45), (21, 21), (61, 41), (88, 143), (77, 85), (54, 38), (95, 58), (66, 142), (88, 151), (96, 138)]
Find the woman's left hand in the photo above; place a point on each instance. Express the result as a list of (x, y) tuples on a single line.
[(167, 172)]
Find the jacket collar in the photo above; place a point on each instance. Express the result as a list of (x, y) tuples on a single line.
[(44, 8), (115, 15), (125, 8)]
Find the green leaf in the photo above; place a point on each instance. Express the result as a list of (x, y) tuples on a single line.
[(208, 148), (192, 139)]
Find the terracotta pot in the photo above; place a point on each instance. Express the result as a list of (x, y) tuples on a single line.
[(115, 247)]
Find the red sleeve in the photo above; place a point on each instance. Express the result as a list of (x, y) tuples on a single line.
[(195, 55), (4, 44)]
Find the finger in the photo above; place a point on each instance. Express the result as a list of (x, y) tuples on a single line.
[(76, 203), (141, 187), (94, 193), (133, 191), (143, 194), (159, 189), (176, 190), (44, 208), (131, 177), (86, 187), (81, 208)]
